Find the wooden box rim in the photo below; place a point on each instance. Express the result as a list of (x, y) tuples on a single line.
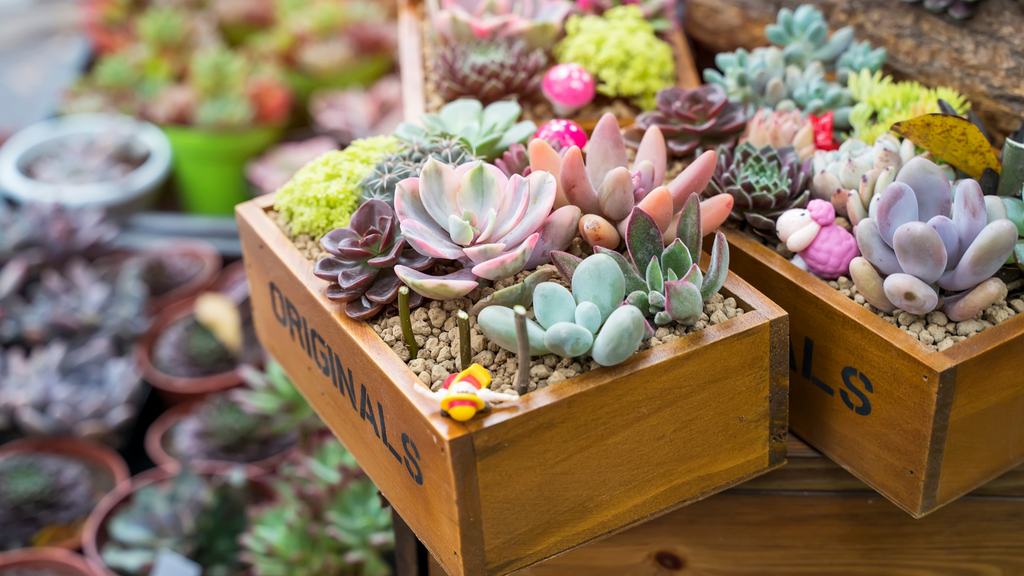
[(937, 360), (757, 310)]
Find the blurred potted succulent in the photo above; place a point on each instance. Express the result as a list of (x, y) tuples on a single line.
[(48, 486), (331, 43), (173, 271), (355, 113), (197, 346), (326, 520), (45, 561), (276, 166), (102, 160), (254, 425), (199, 515)]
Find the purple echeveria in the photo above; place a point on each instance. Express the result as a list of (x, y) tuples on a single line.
[(494, 225), (924, 239), (692, 120), (362, 261)]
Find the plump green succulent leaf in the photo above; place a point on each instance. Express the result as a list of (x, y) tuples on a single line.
[(718, 270), (565, 263), (655, 280), (643, 238), (588, 315), (568, 339), (676, 260), (620, 337), (683, 302), (520, 294), (499, 325), (639, 299), (598, 279), (634, 281), (689, 229), (553, 303)]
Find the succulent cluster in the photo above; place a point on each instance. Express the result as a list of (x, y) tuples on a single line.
[(188, 348), (488, 131), (959, 9), (323, 195), (199, 517), (537, 22), (780, 129), (804, 38), (492, 224), (490, 70), (882, 102), (86, 390), (219, 429), (622, 51), (407, 163), (272, 396), (853, 177), (44, 235), (365, 257), (763, 183), (923, 237), (692, 120), (42, 496), (590, 320), (353, 113), (326, 520)]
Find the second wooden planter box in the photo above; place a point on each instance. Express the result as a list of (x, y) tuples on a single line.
[(921, 427), (567, 465)]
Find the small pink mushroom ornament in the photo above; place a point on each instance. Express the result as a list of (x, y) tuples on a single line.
[(568, 87), (826, 248), (565, 132)]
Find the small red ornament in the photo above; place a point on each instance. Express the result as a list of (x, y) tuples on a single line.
[(823, 137)]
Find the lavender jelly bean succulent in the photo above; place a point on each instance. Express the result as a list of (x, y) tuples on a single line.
[(924, 239)]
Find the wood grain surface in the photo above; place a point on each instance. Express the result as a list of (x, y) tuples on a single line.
[(919, 426), (981, 57), (564, 466)]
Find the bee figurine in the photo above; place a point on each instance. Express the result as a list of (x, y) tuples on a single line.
[(466, 393)]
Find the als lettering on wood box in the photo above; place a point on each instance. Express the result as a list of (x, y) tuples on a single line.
[(921, 427), (566, 465)]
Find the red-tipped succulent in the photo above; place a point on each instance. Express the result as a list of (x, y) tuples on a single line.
[(362, 261), (692, 120)]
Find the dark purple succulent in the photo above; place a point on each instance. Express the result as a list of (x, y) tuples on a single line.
[(362, 261), (692, 120)]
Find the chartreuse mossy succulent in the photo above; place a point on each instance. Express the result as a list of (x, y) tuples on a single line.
[(323, 195), (882, 102), (621, 50), (590, 320)]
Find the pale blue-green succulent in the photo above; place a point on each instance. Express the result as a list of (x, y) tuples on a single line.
[(589, 321), (860, 56), (804, 36)]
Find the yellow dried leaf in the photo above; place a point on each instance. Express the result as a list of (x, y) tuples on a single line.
[(953, 139)]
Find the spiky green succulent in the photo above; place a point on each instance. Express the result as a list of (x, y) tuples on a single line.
[(326, 520), (272, 395), (407, 163), (487, 131), (763, 183), (221, 430), (199, 517), (490, 70), (39, 492)]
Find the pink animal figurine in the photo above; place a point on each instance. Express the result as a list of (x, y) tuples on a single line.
[(812, 233)]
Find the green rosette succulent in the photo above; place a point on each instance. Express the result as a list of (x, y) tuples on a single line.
[(764, 183), (487, 131), (407, 163)]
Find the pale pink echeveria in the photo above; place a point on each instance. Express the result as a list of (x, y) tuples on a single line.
[(538, 22), (496, 226)]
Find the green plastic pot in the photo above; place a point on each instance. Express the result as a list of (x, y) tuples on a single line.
[(209, 165), (364, 72)]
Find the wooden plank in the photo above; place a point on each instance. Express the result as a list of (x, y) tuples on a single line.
[(648, 443), (980, 58), (746, 534), (364, 397), (863, 392)]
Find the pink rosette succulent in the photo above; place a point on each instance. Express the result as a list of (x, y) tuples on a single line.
[(779, 129), (493, 224), (538, 22), (824, 246)]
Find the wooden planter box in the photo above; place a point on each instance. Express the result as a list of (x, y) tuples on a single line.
[(567, 465), (808, 517), (410, 57), (921, 427)]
